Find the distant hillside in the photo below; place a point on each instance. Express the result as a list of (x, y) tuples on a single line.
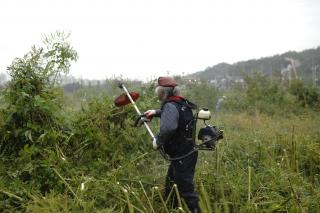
[(276, 66)]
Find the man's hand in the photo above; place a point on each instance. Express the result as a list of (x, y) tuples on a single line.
[(150, 113), (155, 144)]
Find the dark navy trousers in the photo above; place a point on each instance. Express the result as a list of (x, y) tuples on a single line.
[(181, 172)]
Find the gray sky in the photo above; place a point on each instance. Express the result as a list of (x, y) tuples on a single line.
[(146, 38)]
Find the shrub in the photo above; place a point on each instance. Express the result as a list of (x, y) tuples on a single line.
[(32, 128)]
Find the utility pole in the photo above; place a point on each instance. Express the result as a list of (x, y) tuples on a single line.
[(314, 75), (292, 62), (271, 74)]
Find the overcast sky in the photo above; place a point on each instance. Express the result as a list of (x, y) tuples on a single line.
[(146, 38)]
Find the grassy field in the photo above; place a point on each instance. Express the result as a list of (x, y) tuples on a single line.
[(264, 164)]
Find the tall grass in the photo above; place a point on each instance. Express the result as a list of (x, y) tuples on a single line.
[(264, 164)]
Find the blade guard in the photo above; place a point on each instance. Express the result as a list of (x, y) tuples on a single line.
[(123, 99)]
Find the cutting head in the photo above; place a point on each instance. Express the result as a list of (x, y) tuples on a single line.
[(123, 99)]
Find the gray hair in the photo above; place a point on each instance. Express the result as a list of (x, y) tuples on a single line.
[(168, 91)]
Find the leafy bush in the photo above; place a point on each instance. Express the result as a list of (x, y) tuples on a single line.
[(33, 126), (102, 131), (306, 96), (32, 101)]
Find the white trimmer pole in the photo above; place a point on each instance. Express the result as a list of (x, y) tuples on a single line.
[(137, 109)]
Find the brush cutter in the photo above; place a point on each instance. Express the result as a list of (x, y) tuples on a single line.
[(130, 97)]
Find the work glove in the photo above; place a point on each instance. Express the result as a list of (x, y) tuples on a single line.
[(150, 113), (155, 145)]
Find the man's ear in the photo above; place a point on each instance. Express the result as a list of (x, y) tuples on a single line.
[(163, 96), (160, 95)]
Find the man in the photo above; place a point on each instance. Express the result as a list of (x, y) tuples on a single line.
[(220, 103), (175, 138)]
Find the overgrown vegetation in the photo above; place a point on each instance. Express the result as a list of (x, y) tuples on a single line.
[(78, 153), (262, 94)]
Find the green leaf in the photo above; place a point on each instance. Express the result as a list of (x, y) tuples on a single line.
[(28, 135)]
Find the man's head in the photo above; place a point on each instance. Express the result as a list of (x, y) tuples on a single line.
[(166, 88)]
